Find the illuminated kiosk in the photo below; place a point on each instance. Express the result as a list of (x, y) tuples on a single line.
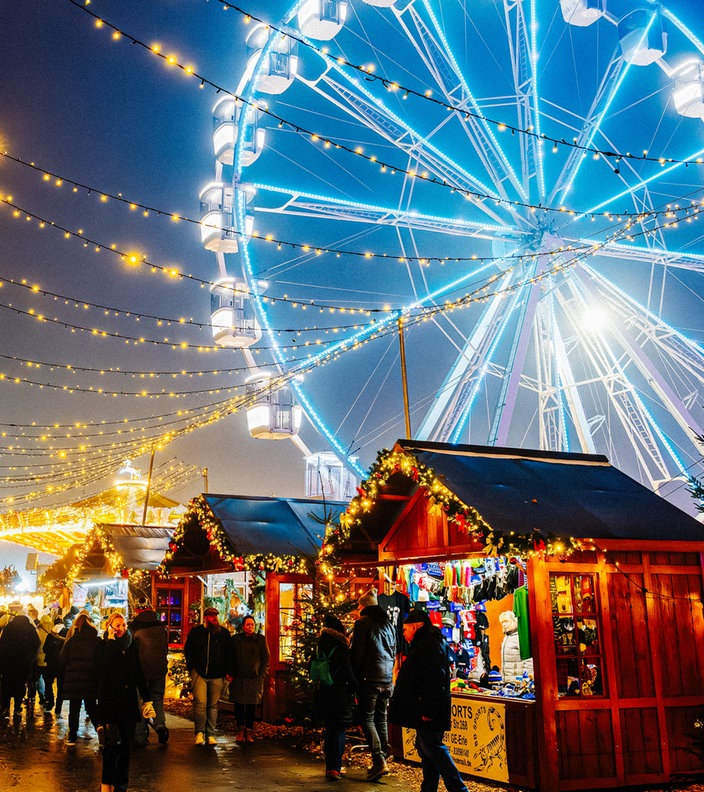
[(226, 113), (582, 13), (643, 40), (232, 314), (274, 414), (282, 62), (217, 228), (322, 19), (688, 95)]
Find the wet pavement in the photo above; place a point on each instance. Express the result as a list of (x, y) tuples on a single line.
[(35, 758)]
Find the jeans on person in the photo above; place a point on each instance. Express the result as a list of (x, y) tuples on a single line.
[(74, 713), (436, 762), (334, 744), (156, 689), (206, 694), (373, 703)]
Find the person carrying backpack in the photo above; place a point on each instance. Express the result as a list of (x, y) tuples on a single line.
[(333, 703)]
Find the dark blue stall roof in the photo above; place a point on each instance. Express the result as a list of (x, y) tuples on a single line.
[(579, 495), (282, 526)]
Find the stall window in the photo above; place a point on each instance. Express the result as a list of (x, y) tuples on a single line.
[(294, 604), (580, 669), (169, 608)]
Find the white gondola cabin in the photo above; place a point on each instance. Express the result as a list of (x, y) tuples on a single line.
[(322, 19), (643, 40), (327, 477), (582, 13), (274, 415), (278, 70), (227, 115), (217, 226), (232, 314), (688, 95)]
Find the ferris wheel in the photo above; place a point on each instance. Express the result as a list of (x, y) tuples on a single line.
[(513, 185)]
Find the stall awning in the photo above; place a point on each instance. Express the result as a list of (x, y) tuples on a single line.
[(282, 526)]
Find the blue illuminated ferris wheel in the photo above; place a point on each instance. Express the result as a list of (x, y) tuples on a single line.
[(518, 183)]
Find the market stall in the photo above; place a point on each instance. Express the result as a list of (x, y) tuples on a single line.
[(256, 550), (607, 664)]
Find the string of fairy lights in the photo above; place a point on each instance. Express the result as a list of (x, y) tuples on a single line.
[(173, 61), (426, 95)]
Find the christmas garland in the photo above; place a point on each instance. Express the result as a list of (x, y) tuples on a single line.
[(401, 463), (199, 516)]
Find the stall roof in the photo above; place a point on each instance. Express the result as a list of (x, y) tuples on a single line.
[(566, 494), (282, 526), (140, 546)]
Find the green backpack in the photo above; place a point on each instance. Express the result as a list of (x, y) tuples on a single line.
[(320, 667)]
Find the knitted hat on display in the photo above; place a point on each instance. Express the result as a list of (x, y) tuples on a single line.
[(367, 599)]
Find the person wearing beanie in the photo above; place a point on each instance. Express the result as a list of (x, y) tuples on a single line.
[(334, 704), (373, 652), (421, 701), (19, 645)]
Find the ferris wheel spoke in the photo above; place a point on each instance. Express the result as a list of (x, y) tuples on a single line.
[(350, 96), (290, 201), (453, 401), (524, 55), (673, 345), (607, 91), (648, 442), (690, 262), (428, 40)]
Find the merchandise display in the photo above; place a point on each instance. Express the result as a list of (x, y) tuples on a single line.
[(471, 602)]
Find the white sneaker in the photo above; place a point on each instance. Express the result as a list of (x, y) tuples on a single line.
[(212, 739), (200, 738)]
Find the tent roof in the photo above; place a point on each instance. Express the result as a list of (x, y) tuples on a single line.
[(282, 526), (565, 494), (140, 546)]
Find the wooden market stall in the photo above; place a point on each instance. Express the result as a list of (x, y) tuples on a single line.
[(610, 580), (272, 544)]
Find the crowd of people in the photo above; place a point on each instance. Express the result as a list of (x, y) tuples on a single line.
[(372, 677)]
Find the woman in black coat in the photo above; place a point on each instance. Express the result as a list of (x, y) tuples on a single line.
[(120, 677), (422, 701), (78, 667), (334, 704)]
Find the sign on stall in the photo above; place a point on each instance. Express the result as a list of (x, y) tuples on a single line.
[(476, 740)]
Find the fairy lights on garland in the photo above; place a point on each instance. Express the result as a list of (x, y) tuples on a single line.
[(390, 464), (472, 195), (200, 519)]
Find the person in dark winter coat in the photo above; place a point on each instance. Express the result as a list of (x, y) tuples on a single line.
[(19, 645), (120, 680), (334, 704), (373, 653), (421, 701), (208, 659), (53, 644), (78, 665), (249, 669), (152, 642)]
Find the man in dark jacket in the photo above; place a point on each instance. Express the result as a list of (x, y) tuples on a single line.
[(208, 659), (373, 652), (421, 701), (152, 643)]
